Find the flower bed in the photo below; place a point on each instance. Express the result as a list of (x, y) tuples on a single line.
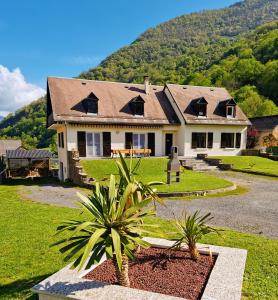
[(224, 282), (162, 271)]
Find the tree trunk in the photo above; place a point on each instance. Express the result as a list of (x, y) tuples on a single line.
[(194, 253), (122, 275)]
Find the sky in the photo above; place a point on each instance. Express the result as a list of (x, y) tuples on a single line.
[(65, 37)]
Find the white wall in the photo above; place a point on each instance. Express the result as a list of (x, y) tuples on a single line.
[(118, 136), (217, 130)]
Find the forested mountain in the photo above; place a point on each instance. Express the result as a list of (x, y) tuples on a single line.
[(249, 69), (29, 124), (217, 47), (186, 44)]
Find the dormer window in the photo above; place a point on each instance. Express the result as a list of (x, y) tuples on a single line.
[(137, 106), (230, 108), (201, 107), (91, 104)]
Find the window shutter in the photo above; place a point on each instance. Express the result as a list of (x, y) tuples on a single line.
[(151, 142), (194, 140), (238, 140), (210, 140), (106, 138), (62, 140), (81, 143), (128, 140)]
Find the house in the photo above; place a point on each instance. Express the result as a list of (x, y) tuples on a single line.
[(265, 126), (8, 145), (96, 117)]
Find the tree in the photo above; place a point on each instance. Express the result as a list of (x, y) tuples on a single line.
[(253, 104), (269, 81)]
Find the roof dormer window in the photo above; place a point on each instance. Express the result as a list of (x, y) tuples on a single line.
[(91, 104), (137, 106), (230, 108), (201, 107)]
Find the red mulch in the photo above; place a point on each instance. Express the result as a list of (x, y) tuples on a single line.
[(163, 271)]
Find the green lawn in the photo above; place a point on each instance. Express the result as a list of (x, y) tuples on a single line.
[(27, 229), (153, 169), (252, 163)]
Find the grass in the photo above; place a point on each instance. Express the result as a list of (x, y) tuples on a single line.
[(153, 169), (27, 229), (252, 163)]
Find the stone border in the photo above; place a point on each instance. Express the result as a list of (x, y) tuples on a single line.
[(225, 281), (197, 193), (255, 173)]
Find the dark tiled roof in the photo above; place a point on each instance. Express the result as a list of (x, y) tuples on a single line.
[(265, 123), (22, 153)]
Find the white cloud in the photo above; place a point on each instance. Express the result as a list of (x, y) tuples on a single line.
[(15, 91)]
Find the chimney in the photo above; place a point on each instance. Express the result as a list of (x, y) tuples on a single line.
[(147, 84)]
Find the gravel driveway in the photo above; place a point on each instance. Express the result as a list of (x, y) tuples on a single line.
[(254, 212)]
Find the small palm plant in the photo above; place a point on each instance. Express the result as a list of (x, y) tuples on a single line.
[(190, 229), (114, 226)]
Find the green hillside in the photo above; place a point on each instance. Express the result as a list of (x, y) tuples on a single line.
[(29, 124), (216, 47), (249, 69), (178, 48)]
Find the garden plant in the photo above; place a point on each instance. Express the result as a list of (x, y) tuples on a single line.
[(191, 229), (114, 223)]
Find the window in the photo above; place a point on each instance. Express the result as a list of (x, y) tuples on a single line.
[(202, 140), (238, 140), (61, 139), (230, 108), (230, 111), (93, 144), (138, 140), (201, 107), (91, 104), (227, 140), (137, 106), (198, 140)]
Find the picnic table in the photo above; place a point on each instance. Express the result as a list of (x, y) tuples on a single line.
[(131, 152)]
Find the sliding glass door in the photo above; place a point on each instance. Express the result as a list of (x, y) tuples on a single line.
[(138, 140), (93, 144)]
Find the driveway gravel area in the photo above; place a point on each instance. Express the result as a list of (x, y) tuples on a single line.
[(255, 211), (52, 193)]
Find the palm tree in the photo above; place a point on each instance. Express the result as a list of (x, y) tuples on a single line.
[(190, 229), (114, 226)]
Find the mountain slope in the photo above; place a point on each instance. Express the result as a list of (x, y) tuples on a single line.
[(28, 123), (249, 69), (186, 44)]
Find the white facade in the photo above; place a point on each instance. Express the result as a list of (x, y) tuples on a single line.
[(182, 137)]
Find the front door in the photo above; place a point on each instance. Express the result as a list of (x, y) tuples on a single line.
[(106, 143), (168, 143)]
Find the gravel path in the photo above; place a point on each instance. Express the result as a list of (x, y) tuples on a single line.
[(54, 194), (254, 212)]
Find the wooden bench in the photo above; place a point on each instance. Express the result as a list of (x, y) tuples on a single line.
[(131, 152)]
